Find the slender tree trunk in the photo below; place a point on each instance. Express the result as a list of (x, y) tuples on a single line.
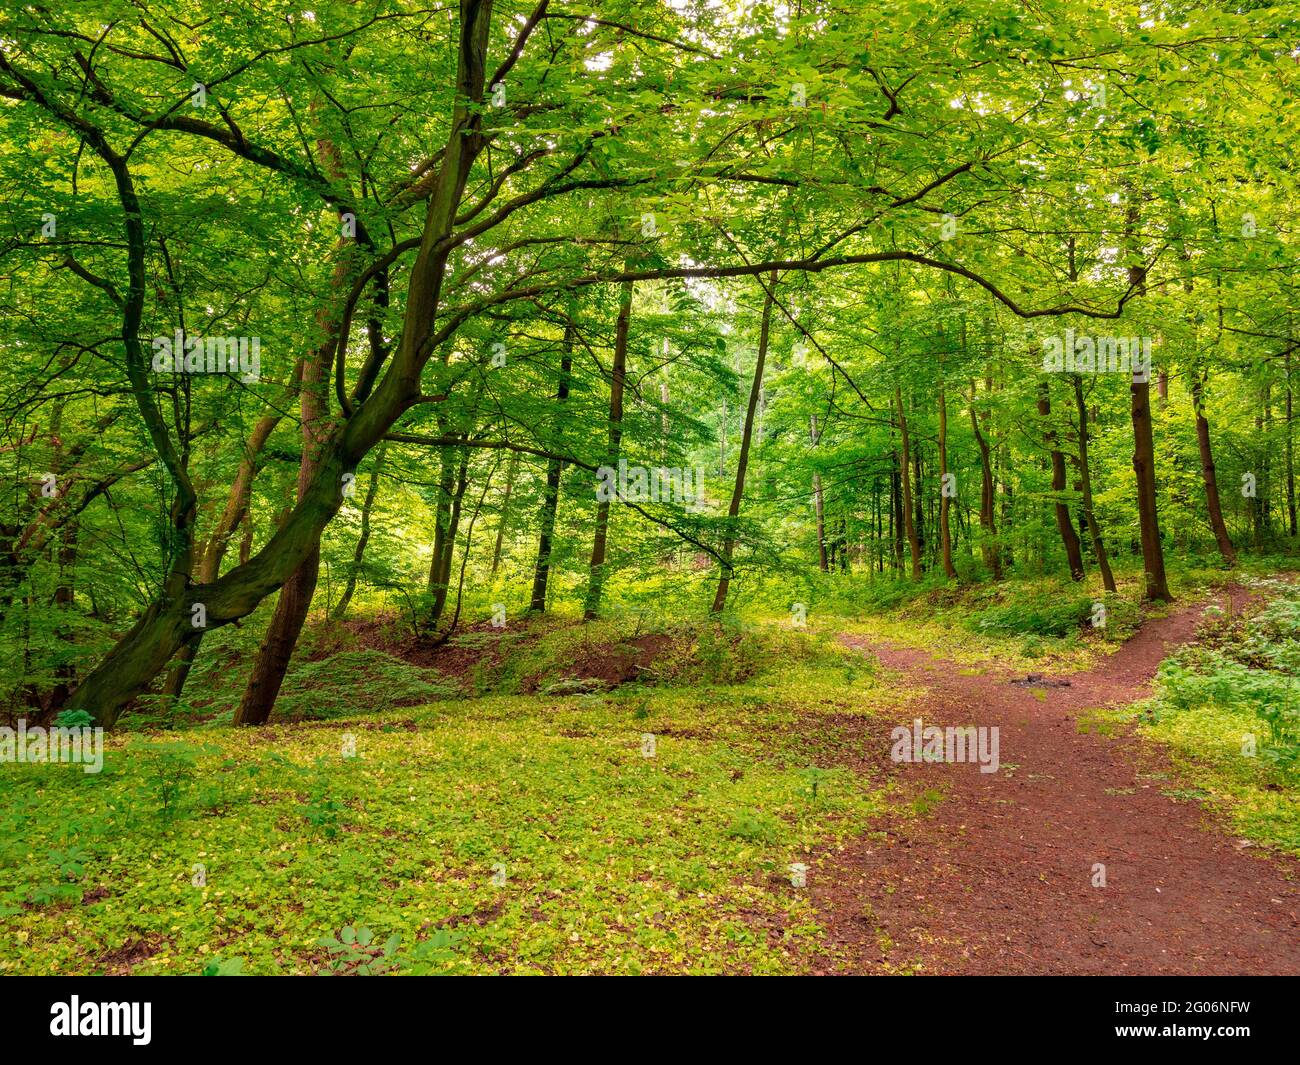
[(877, 546), (1153, 559), (512, 471), (1256, 500), (1144, 452), (1290, 457), (905, 463), (441, 510), (918, 496), (896, 513), (1008, 505), (1263, 485), (1070, 538), (738, 492), (1208, 475), (440, 566), (722, 440), (359, 552), (1085, 485), (819, 510), (945, 533), (618, 372), (296, 595), (819, 502), (64, 596), (551, 501), (992, 556), (464, 557)]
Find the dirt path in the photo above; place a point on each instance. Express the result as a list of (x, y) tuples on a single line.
[(998, 877)]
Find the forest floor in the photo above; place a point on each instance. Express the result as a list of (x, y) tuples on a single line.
[(999, 879), (637, 795)]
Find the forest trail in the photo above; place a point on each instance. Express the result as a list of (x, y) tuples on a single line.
[(997, 877)]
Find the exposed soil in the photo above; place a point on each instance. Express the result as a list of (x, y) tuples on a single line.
[(998, 877), (617, 664), (475, 643), (124, 959), (480, 645)]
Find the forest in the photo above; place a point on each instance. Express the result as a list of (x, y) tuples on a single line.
[(649, 486)]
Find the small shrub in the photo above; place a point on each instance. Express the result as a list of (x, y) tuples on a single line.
[(228, 967), (753, 826), (168, 769), (1040, 616), (354, 952)]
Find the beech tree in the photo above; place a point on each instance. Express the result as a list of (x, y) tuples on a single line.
[(498, 231)]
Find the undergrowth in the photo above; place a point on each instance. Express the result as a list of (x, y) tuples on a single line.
[(1228, 707)]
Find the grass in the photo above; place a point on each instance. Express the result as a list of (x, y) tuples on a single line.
[(1226, 712), (408, 820), (1031, 624), (532, 831), (1204, 744), (1028, 625)]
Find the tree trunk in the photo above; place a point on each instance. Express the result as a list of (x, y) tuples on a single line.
[(992, 556), (464, 557), (733, 511), (295, 597), (358, 554), (1144, 452), (918, 496), (945, 534), (313, 403), (819, 509), (1290, 457), (1208, 475), (819, 503), (512, 471), (64, 595), (1153, 559), (896, 512), (551, 501), (441, 509), (1070, 538), (445, 545), (905, 462), (1085, 485), (618, 371), (209, 568)]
